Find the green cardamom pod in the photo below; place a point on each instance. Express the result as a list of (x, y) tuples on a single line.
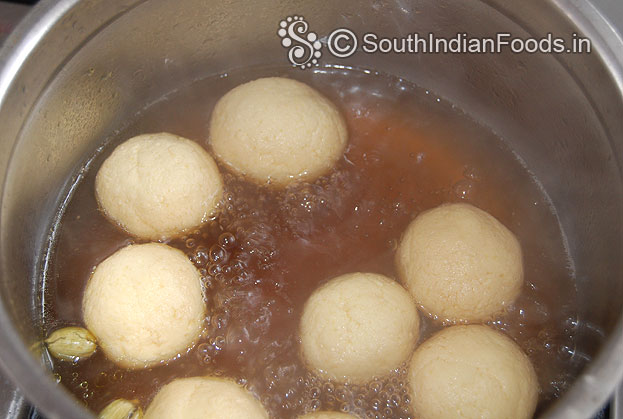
[(71, 343), (122, 409)]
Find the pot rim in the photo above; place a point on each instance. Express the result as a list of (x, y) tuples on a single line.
[(597, 383), (16, 361)]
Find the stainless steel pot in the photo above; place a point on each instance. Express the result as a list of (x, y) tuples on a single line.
[(75, 70)]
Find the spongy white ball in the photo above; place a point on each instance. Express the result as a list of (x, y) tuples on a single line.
[(144, 304), (327, 415), (277, 130), (204, 398), (358, 326), (472, 372), (460, 263), (157, 186)]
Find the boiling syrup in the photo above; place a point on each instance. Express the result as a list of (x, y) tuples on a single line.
[(269, 249)]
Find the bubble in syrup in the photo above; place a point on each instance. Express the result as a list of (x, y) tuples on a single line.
[(341, 394), (470, 172), (218, 255), (329, 388), (226, 240), (566, 353), (375, 386), (200, 256), (315, 392), (314, 404), (463, 189), (376, 404)]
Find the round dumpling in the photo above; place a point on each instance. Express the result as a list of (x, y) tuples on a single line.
[(277, 130), (460, 263), (204, 398), (145, 305), (358, 326), (157, 186), (465, 372)]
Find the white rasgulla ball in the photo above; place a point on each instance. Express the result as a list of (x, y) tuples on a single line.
[(460, 263), (472, 372), (157, 186), (358, 326), (327, 415), (204, 398), (144, 304), (277, 130)]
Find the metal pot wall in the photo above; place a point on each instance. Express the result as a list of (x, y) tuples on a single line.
[(75, 70)]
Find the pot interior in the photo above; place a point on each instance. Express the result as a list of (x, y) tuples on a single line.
[(101, 63)]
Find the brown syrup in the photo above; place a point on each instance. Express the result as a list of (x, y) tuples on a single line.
[(269, 249)]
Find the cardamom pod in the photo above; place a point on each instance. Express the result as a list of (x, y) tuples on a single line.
[(71, 343), (122, 409)]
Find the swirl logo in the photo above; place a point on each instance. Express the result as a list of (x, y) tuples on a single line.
[(303, 46)]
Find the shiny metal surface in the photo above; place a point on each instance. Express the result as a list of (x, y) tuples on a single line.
[(74, 70), (616, 407), (10, 15), (12, 403)]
